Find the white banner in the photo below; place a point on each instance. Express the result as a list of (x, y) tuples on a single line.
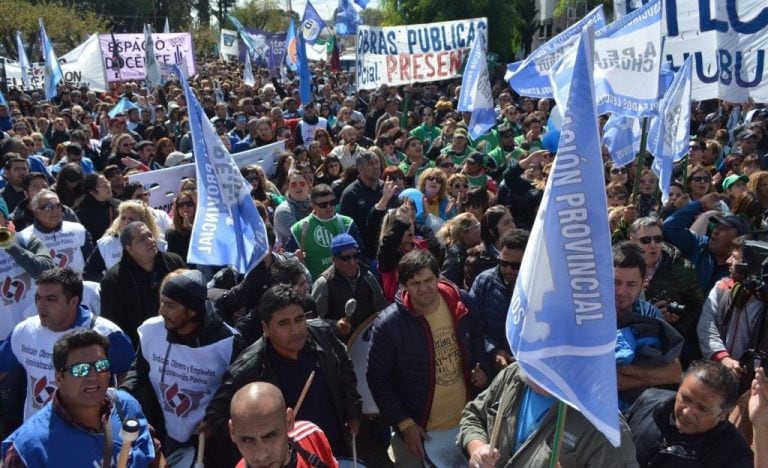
[(170, 49), (728, 40), (400, 55), (81, 66), (163, 184), (229, 48)]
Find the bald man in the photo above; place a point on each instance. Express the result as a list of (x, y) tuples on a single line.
[(267, 436)]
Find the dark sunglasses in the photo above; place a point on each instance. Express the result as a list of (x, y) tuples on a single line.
[(252, 178), (619, 170), (506, 264), (434, 179), (82, 369), (458, 186), (326, 204), (645, 240), (185, 204), (620, 196), (346, 258), (50, 207), (700, 179)]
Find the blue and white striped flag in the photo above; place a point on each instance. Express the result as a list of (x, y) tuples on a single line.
[(311, 24), (561, 323), (621, 135), (228, 229), (668, 136), (250, 44), (122, 107), (23, 61), (530, 77), (152, 67), (476, 96), (53, 74), (347, 19)]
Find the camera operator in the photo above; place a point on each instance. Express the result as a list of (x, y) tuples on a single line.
[(670, 283), (732, 323)]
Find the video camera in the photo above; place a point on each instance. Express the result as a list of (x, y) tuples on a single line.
[(753, 267)]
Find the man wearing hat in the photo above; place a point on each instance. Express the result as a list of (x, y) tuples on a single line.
[(459, 150), (182, 356), (346, 279), (709, 254), (474, 169), (310, 121), (734, 185), (748, 142), (415, 161)]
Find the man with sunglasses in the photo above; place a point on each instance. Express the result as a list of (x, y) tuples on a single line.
[(59, 311), (81, 426), (346, 279), (69, 243), (313, 234), (491, 294)]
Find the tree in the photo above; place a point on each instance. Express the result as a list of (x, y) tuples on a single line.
[(372, 16), (265, 14), (526, 24)]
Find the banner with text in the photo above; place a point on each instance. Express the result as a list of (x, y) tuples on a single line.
[(269, 52), (81, 66), (170, 49), (407, 54)]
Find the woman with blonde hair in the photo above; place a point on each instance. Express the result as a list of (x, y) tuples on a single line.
[(433, 184), (109, 251), (758, 183), (457, 236)]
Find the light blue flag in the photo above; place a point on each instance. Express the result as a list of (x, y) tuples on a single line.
[(561, 323), (305, 78), (53, 74), (228, 229), (248, 77), (291, 60), (311, 24), (151, 65), (347, 19), (166, 27), (625, 7), (668, 136), (621, 135), (23, 61), (628, 62), (363, 3), (3, 101), (122, 107), (244, 35), (530, 76), (476, 96)]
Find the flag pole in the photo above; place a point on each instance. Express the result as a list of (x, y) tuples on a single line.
[(640, 161), (562, 409)]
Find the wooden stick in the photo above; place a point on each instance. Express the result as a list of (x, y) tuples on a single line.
[(304, 392), (503, 402), (354, 450), (200, 450)]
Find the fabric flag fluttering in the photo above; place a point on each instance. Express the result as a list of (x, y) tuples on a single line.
[(228, 229), (561, 323), (250, 44), (23, 61), (530, 76), (621, 135), (628, 62), (625, 7), (166, 27), (311, 24), (154, 75), (347, 19), (305, 78), (53, 74), (291, 60), (3, 101), (363, 3), (122, 107), (248, 78), (476, 95), (668, 135)]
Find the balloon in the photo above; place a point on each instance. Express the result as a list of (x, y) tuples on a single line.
[(555, 121), (551, 140)]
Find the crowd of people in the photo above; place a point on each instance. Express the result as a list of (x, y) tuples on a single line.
[(375, 325)]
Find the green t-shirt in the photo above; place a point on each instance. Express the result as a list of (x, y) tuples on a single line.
[(317, 240)]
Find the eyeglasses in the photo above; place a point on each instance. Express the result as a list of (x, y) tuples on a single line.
[(185, 204), (346, 258), (326, 204), (620, 196), (645, 240), (434, 179), (506, 264), (298, 183), (694, 148), (82, 369), (50, 206), (252, 178), (459, 186), (619, 170), (700, 179)]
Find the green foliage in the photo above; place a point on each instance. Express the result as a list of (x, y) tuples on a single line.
[(262, 14), (372, 16)]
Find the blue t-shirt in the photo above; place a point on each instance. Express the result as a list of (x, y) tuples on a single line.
[(533, 407)]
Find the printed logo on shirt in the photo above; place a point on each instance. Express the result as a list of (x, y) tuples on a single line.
[(179, 401), (42, 391), (13, 289), (61, 258), (322, 236)]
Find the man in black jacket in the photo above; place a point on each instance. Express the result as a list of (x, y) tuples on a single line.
[(289, 351), (690, 428), (182, 357)]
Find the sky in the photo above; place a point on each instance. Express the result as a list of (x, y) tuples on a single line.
[(324, 7)]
